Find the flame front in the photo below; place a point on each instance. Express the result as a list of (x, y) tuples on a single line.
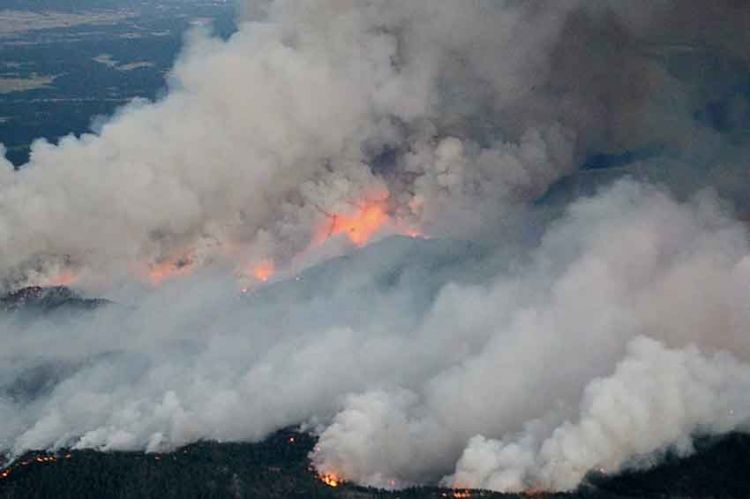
[(65, 278), (40, 459), (164, 270), (330, 479), (359, 227)]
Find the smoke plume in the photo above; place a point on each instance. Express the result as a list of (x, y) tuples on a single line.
[(591, 324)]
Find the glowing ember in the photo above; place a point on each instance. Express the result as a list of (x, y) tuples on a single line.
[(66, 278), (264, 271), (358, 227), (157, 273), (330, 479), (45, 459), (535, 493)]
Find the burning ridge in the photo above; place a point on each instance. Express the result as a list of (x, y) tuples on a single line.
[(243, 223)]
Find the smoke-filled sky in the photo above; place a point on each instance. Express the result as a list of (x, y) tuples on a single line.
[(554, 323)]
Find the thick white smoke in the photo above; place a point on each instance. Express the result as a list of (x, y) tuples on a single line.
[(612, 342), (453, 112), (656, 399), (555, 361), (265, 134), (617, 334)]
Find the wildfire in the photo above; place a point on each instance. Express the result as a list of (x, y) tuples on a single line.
[(359, 227), (330, 479), (159, 272), (414, 234), (458, 494), (534, 492), (264, 271), (65, 278), (40, 459)]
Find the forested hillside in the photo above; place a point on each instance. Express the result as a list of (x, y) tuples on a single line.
[(278, 468)]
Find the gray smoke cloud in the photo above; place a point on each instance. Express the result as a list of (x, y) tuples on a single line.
[(265, 134), (622, 334), (563, 340), (607, 348), (454, 113), (656, 399)]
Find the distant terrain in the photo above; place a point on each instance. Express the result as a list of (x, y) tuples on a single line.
[(64, 63)]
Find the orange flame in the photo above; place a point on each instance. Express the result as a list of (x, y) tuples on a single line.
[(358, 227), (264, 270), (65, 278), (41, 459), (157, 273), (534, 492), (330, 479)]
